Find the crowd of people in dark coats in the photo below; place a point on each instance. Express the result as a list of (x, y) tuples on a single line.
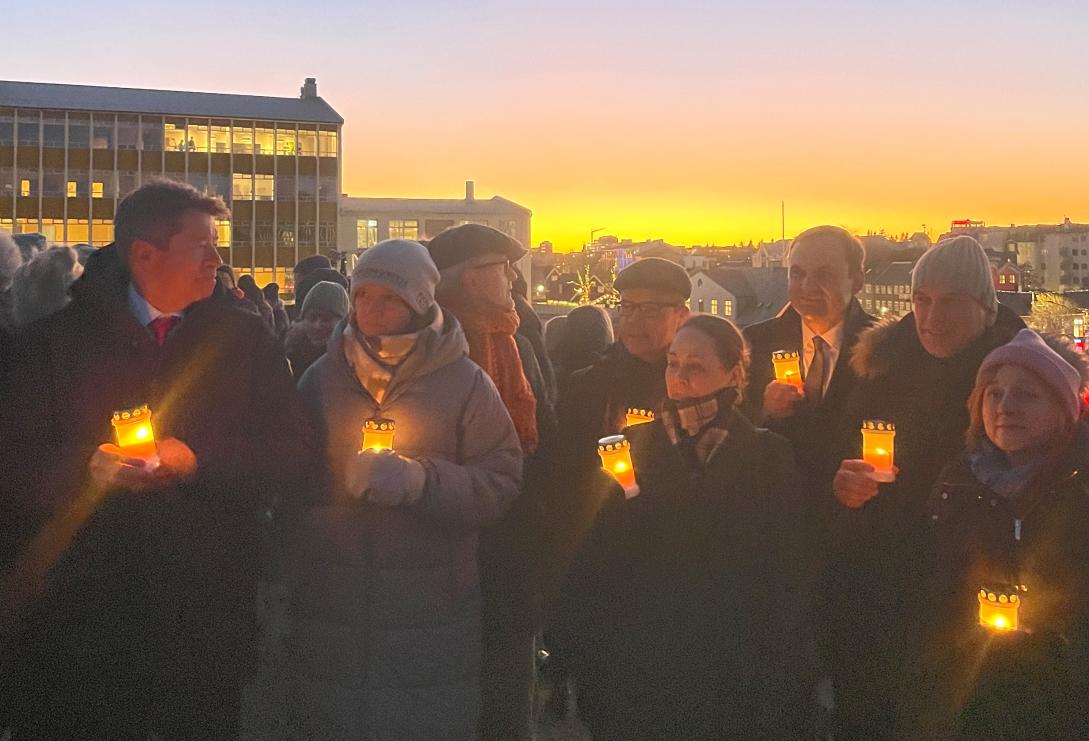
[(397, 507)]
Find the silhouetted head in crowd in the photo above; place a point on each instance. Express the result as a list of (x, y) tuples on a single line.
[(41, 286), (271, 293)]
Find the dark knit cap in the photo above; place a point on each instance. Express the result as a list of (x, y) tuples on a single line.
[(311, 279), (657, 274), (309, 264), (455, 246)]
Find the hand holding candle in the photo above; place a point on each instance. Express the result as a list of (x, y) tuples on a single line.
[(615, 452)]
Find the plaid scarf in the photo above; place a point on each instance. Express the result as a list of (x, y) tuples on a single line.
[(699, 424)]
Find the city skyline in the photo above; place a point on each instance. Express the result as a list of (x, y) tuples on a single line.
[(652, 120)]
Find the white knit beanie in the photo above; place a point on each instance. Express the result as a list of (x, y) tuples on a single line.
[(960, 265), (403, 266)]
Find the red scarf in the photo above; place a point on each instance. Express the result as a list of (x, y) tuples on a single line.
[(490, 333)]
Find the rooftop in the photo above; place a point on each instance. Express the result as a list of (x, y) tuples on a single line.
[(493, 205), (47, 95)]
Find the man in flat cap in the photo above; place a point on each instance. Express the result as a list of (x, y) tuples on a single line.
[(593, 403), (476, 267)]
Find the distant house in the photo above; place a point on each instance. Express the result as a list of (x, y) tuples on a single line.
[(745, 295), (887, 291), (770, 254), (1007, 278)]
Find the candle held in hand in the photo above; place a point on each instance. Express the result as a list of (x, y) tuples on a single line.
[(134, 433), (615, 452), (878, 440), (788, 369), (378, 434)]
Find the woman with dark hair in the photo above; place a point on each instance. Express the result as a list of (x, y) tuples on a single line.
[(682, 618), (1005, 617), (253, 294)]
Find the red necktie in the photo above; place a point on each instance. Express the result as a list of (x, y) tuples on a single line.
[(161, 326)]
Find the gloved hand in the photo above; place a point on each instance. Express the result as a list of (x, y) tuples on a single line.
[(386, 478)]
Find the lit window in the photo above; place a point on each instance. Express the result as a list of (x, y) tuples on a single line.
[(242, 139), (24, 187), (79, 231), (53, 229), (26, 226), (727, 308), (198, 136), (263, 187), (96, 190), (404, 229), (223, 232), (366, 233), (101, 232), (308, 142), (72, 189), (714, 306), (174, 133), (285, 142), (242, 189), (262, 142), (327, 141), (221, 139)]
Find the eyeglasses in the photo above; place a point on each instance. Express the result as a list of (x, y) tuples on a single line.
[(649, 309), (504, 263)]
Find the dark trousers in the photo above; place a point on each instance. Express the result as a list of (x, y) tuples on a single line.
[(506, 683)]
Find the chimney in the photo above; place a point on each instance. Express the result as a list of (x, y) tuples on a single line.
[(470, 190), (309, 88)]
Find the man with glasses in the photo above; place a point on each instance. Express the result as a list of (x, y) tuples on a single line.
[(653, 292)]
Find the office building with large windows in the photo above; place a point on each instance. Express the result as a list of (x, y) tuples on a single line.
[(69, 152)]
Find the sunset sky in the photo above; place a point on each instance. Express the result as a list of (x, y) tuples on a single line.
[(681, 120)]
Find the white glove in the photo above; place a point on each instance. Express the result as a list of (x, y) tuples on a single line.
[(386, 478)]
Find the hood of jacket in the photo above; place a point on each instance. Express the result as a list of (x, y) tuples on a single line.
[(892, 343)]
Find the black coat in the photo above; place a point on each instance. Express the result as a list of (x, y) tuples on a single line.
[(682, 618), (1033, 683), (813, 429), (147, 602), (876, 548), (591, 406)]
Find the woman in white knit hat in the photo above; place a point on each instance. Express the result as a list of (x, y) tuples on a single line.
[(1005, 626), (384, 640)]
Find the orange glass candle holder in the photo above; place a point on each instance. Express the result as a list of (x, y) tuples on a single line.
[(615, 452), (999, 608), (878, 446), (378, 434), (638, 417), (788, 368), (134, 433)]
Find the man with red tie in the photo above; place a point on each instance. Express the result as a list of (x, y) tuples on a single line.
[(131, 581)]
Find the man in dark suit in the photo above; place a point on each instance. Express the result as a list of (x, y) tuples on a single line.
[(821, 323), (128, 577)]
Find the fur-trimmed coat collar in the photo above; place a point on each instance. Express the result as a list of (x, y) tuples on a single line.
[(892, 342)]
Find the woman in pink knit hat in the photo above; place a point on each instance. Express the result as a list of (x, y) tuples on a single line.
[(1003, 609)]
